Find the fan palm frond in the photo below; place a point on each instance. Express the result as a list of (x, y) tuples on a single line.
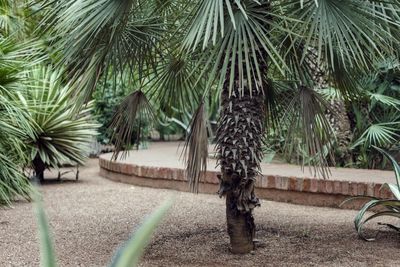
[(98, 35), (306, 115), (133, 111), (235, 34), (380, 134), (175, 84), (359, 31), (196, 148)]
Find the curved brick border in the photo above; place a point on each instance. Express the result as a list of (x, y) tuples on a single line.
[(306, 191)]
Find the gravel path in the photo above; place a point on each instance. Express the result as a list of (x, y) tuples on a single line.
[(92, 217)]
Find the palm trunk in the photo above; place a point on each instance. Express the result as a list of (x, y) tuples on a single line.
[(337, 112), (239, 145), (39, 167), (240, 133), (241, 227), (340, 122)]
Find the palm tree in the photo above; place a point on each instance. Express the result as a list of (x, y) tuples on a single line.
[(179, 52), (61, 135)]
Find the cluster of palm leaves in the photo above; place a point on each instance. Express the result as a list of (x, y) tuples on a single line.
[(62, 130), (178, 53), (40, 122), (371, 117), (12, 181), (41, 127), (376, 116), (14, 122)]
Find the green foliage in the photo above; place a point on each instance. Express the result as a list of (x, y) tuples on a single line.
[(129, 254), (373, 113), (62, 131), (186, 54), (126, 256), (19, 51), (47, 255), (12, 153), (106, 101), (14, 120), (376, 116), (388, 207)]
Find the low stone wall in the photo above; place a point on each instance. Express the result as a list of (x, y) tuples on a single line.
[(305, 191)]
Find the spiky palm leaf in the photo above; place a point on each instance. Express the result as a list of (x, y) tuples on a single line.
[(120, 35), (60, 135), (391, 207), (15, 124), (134, 110), (13, 127)]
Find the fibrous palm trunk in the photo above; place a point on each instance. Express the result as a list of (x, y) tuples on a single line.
[(337, 112), (340, 122), (39, 168), (240, 133)]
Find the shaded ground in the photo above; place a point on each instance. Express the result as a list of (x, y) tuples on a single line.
[(92, 217)]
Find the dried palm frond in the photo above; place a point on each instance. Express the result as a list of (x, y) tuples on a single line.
[(133, 111), (196, 148), (307, 121)]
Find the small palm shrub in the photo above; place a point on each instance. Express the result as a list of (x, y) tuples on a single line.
[(388, 207), (127, 255), (62, 129)]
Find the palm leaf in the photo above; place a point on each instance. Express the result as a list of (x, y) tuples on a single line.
[(133, 111), (360, 32), (395, 165), (196, 148), (379, 134), (129, 254), (305, 114), (47, 254), (59, 134)]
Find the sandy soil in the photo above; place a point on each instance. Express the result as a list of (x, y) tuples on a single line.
[(92, 217)]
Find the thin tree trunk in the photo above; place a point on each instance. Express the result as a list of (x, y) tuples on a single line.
[(39, 167), (340, 122), (240, 133), (337, 114), (241, 227)]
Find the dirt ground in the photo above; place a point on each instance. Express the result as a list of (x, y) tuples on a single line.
[(92, 217)]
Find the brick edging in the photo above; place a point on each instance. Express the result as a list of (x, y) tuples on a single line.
[(306, 185)]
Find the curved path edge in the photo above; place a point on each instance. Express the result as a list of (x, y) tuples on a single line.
[(305, 191)]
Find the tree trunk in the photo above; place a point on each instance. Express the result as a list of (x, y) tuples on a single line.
[(337, 114), (39, 167), (340, 122), (241, 227), (240, 133)]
